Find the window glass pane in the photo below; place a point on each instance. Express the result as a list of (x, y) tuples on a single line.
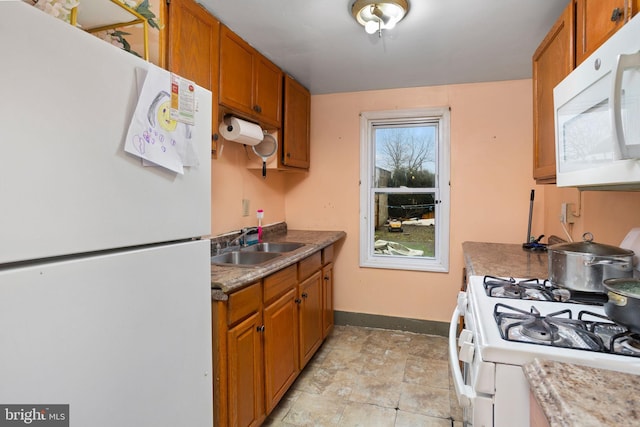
[(405, 156), (404, 224), (404, 191)]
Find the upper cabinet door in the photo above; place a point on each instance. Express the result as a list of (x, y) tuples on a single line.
[(268, 91), (236, 72), (193, 43), (597, 20), (250, 84), (552, 61), (296, 132)]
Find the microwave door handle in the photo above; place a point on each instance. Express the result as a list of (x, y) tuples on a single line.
[(624, 62)]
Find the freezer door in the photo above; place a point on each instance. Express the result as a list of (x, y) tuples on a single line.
[(67, 185), (124, 339)]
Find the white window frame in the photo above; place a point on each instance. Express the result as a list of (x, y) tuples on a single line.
[(439, 263)]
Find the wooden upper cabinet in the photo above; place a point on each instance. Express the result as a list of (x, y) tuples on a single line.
[(193, 42), (268, 90), (250, 84), (297, 125), (552, 62), (236, 71), (597, 20)]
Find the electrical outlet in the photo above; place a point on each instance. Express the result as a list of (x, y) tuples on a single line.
[(566, 213), (245, 207), (570, 216)]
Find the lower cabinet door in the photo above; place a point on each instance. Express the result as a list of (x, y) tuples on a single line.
[(246, 396), (310, 315), (327, 295), (280, 347)]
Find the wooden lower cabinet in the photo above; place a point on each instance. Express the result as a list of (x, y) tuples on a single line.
[(327, 296), (263, 336), (310, 315), (280, 347), (246, 399)]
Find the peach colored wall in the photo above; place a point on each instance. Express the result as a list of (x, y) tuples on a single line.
[(609, 215), (491, 157), (232, 180)]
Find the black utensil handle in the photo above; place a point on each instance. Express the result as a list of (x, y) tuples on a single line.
[(264, 169), (530, 215)]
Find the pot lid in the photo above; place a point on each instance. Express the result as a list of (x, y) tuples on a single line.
[(588, 246)]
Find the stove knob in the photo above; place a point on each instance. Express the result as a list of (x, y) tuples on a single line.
[(466, 352), (466, 336), (462, 303)]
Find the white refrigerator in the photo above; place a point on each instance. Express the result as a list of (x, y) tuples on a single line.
[(105, 301)]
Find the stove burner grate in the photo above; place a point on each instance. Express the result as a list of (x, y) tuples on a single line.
[(556, 329), (528, 289), (538, 329), (538, 290), (618, 338)]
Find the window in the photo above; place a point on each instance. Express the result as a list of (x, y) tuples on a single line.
[(404, 189)]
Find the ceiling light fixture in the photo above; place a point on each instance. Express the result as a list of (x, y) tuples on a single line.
[(378, 15)]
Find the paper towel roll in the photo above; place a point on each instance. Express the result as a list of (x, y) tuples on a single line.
[(241, 131)]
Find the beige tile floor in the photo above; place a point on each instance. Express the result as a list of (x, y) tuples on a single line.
[(373, 378)]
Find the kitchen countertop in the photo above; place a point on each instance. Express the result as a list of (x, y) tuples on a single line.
[(504, 260), (227, 279), (574, 395)]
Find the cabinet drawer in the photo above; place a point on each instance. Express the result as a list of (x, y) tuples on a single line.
[(278, 283), (327, 255), (243, 302), (309, 265)]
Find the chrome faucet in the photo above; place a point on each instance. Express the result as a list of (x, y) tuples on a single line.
[(241, 239)]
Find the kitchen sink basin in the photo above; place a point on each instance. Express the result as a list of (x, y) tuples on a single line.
[(244, 258), (274, 247)]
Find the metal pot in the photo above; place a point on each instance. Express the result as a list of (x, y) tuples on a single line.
[(623, 306), (582, 266)]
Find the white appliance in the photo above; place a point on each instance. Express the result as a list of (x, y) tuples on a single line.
[(491, 386), (105, 300), (597, 117)]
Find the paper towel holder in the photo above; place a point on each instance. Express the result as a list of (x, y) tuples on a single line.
[(236, 129)]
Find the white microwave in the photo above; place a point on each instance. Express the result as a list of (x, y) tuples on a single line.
[(597, 117)]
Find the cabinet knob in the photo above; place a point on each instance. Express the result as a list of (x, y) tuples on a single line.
[(305, 295), (616, 14), (215, 136), (326, 278), (260, 328), (257, 109), (288, 154), (298, 301)]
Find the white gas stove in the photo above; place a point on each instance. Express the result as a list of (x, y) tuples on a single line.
[(508, 326)]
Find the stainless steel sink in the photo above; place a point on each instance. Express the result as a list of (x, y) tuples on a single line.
[(244, 258), (273, 247)]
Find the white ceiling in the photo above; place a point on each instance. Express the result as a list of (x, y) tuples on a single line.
[(439, 41)]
